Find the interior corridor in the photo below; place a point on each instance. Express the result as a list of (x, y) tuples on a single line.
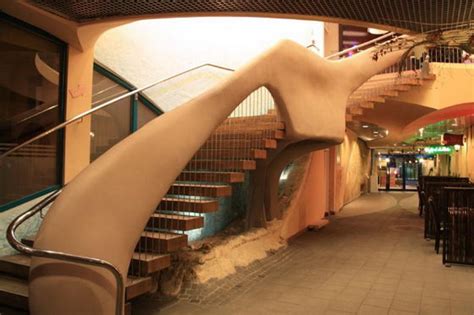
[(371, 259)]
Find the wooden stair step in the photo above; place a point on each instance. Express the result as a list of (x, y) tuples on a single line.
[(251, 119), (236, 153), (175, 222), (144, 264), (148, 262), (136, 286), (204, 190), (161, 242), (356, 111), (16, 265), (401, 88), (250, 125), (244, 165), (247, 134), (188, 205), (245, 142), (389, 93), (212, 177), (376, 99), (367, 105), (13, 292)]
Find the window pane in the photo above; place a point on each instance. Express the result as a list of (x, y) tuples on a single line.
[(29, 104), (144, 115), (111, 124)]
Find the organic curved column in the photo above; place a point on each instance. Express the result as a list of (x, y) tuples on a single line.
[(278, 164), (103, 211), (257, 214)]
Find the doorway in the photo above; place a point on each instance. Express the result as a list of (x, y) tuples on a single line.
[(398, 172)]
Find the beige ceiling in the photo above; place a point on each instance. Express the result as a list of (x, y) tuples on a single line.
[(393, 116)]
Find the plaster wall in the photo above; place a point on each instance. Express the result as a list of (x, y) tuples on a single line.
[(78, 100), (352, 169), (150, 50), (462, 162)]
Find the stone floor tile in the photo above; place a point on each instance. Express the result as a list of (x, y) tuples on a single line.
[(407, 306), (372, 310), (376, 301), (435, 310), (343, 305), (398, 312)]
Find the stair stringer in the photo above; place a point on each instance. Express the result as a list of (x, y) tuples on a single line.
[(103, 211)]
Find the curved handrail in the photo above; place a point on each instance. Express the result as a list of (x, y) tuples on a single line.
[(16, 244), (101, 106), (342, 52)]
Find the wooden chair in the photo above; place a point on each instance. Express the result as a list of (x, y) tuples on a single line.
[(435, 217)]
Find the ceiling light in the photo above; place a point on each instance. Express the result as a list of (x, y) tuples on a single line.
[(365, 126), (376, 31), (376, 132)]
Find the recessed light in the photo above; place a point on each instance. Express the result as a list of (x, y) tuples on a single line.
[(376, 31), (375, 131), (365, 126)]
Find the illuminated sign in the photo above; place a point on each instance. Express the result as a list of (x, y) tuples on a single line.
[(452, 139), (438, 150)]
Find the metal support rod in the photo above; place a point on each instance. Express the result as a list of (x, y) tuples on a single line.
[(342, 52)]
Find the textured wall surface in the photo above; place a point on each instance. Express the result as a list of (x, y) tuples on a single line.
[(230, 208), (353, 170)]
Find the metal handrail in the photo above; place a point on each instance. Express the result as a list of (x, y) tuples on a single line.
[(15, 243), (343, 52), (101, 106)]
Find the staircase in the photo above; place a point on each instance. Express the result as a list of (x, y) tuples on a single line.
[(381, 87), (222, 161), (231, 151)]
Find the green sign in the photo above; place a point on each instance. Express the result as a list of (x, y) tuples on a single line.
[(441, 149)]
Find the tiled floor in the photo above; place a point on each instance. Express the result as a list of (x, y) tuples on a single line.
[(371, 259)]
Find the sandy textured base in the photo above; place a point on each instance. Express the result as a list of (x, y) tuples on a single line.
[(239, 251)]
